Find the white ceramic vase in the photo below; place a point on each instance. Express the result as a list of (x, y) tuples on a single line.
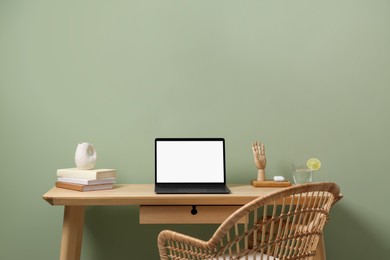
[(85, 156)]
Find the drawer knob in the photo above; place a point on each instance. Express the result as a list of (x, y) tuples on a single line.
[(194, 211)]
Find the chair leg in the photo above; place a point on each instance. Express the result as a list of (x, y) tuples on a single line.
[(320, 251)]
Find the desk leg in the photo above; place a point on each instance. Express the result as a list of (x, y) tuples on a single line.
[(72, 233), (320, 251)]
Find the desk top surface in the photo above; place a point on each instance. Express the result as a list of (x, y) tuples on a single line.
[(143, 194)]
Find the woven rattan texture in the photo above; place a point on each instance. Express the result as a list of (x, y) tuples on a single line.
[(283, 225)]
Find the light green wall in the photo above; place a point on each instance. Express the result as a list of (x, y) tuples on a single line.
[(308, 78)]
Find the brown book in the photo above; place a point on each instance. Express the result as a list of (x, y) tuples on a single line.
[(82, 187)]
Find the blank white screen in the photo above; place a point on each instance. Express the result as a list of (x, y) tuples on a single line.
[(190, 161)]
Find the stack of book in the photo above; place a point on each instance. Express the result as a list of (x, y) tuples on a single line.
[(86, 180)]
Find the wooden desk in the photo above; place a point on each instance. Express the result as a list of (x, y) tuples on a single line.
[(154, 208)]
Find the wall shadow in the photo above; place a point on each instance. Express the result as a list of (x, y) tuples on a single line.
[(115, 233), (347, 236)]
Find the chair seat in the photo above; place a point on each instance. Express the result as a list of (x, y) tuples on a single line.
[(258, 256)]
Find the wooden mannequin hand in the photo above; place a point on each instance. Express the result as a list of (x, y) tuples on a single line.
[(259, 155), (260, 160)]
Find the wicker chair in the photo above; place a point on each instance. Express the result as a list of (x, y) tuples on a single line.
[(283, 225)]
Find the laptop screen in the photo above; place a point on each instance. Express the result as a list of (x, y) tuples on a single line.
[(185, 160)]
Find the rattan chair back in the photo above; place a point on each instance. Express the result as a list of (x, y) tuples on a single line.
[(283, 225)]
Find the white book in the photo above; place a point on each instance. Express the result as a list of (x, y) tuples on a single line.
[(94, 174), (85, 181)]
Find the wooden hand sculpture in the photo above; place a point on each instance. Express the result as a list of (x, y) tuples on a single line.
[(260, 161)]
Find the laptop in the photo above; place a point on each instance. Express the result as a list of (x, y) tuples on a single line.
[(190, 165)]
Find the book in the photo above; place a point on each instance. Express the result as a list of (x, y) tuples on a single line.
[(85, 181), (82, 187), (94, 174)]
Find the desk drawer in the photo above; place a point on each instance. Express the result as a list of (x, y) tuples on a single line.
[(185, 214)]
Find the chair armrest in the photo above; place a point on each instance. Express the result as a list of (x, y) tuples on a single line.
[(338, 198), (180, 243)]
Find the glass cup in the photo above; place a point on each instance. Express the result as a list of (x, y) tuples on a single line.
[(301, 174)]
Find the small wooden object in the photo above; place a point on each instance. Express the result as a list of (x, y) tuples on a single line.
[(270, 183)]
